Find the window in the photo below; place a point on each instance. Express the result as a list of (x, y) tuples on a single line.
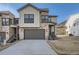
[(5, 21), (28, 18), (16, 20), (10, 22), (50, 19), (76, 23), (45, 18)]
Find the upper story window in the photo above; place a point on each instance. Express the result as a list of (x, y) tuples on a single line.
[(16, 20), (5, 21), (76, 22), (45, 18), (13, 21), (28, 18)]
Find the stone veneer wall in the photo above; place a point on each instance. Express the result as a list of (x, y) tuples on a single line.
[(46, 27)]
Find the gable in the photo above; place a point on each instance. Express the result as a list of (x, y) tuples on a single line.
[(25, 6), (72, 19), (28, 10), (28, 5)]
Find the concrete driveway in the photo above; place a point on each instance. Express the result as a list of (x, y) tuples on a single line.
[(29, 47)]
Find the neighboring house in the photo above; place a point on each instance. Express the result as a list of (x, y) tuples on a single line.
[(61, 28), (72, 25), (35, 23), (8, 26)]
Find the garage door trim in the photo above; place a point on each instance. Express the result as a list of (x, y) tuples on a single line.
[(34, 33)]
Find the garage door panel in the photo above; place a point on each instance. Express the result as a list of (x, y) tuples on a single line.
[(34, 34)]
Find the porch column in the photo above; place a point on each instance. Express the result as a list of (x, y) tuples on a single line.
[(21, 33), (52, 32), (7, 37), (0, 22)]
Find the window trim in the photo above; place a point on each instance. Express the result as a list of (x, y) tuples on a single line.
[(29, 18), (5, 22), (44, 19)]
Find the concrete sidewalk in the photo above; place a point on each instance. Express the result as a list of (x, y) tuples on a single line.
[(29, 47)]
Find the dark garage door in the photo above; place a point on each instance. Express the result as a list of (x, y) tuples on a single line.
[(34, 34), (2, 36)]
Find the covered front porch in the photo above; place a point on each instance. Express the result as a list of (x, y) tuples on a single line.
[(52, 35), (14, 34)]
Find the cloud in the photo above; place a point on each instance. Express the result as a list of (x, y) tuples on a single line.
[(8, 7)]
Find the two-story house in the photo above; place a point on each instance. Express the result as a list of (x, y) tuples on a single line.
[(35, 23), (8, 26)]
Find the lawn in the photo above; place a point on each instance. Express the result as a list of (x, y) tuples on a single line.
[(65, 45)]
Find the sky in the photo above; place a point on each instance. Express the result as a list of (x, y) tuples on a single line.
[(62, 10)]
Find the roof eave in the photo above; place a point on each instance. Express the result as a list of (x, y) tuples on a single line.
[(26, 6), (33, 7), (52, 16)]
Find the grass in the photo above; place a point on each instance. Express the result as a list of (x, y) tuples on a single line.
[(65, 46)]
